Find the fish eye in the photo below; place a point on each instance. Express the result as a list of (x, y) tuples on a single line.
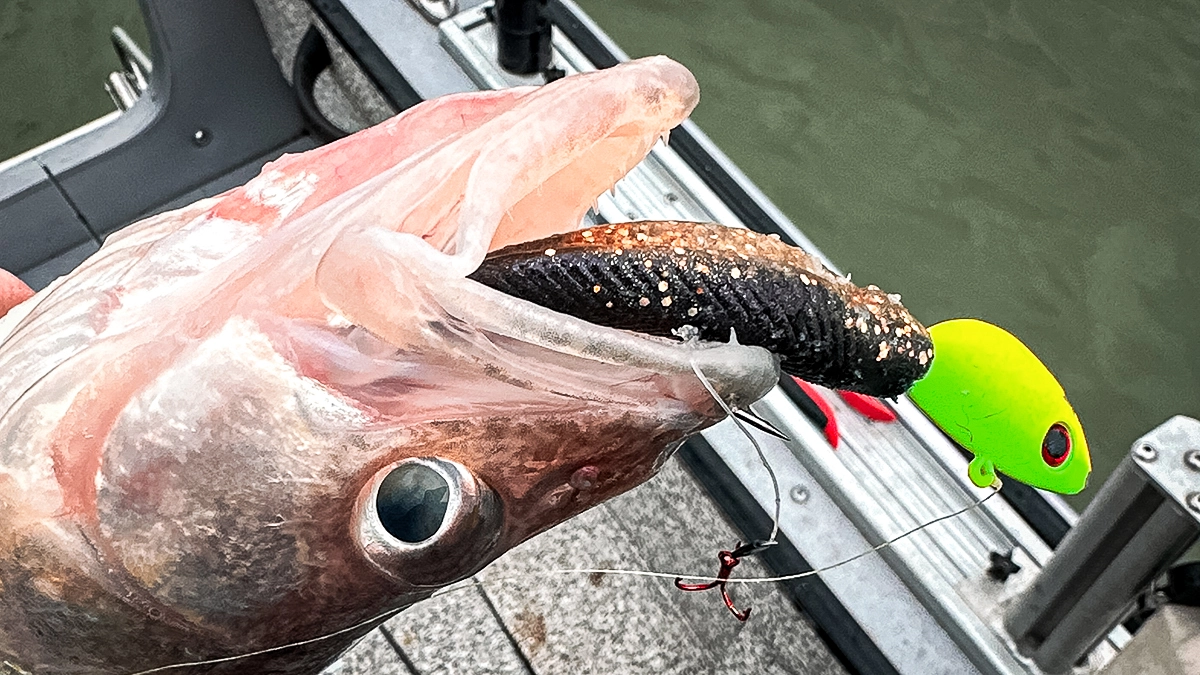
[(427, 520), (1056, 445), (412, 502)]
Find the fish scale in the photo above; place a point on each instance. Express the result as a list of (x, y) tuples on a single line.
[(717, 279)]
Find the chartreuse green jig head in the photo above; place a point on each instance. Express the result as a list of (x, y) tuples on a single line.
[(993, 396)]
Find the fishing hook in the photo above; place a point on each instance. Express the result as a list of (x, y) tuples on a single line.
[(759, 423), (729, 560)]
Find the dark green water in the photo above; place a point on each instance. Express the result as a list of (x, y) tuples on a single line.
[(56, 55), (1034, 164)]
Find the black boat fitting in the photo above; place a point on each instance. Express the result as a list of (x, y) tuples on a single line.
[(523, 35)]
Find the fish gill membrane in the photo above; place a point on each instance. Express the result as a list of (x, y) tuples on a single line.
[(284, 413)]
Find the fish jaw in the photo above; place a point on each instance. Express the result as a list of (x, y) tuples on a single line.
[(199, 422)]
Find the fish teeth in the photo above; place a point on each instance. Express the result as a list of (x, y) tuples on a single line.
[(665, 137)]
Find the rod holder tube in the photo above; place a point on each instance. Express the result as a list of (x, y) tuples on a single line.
[(523, 36), (1130, 533)]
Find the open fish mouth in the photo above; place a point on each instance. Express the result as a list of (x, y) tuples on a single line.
[(400, 269)]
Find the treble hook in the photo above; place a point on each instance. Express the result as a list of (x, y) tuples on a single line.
[(729, 560)]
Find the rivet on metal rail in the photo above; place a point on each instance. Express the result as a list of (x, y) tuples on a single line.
[(1145, 453), (1191, 459), (799, 494)]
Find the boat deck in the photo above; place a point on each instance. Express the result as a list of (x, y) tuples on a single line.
[(523, 618)]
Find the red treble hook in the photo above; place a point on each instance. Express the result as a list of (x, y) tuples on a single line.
[(729, 560)]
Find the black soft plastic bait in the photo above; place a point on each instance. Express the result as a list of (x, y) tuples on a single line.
[(656, 277)]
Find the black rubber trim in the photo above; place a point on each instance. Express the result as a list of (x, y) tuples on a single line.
[(724, 186), (312, 58), (847, 640), (803, 401), (379, 69), (584, 39), (1045, 520)]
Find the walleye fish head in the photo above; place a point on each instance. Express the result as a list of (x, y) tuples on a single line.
[(279, 412), (518, 417)]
